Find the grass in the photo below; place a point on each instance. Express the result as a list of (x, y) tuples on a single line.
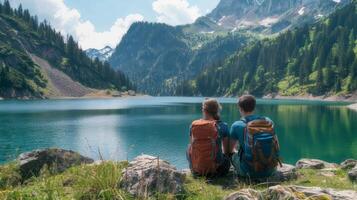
[(101, 182)]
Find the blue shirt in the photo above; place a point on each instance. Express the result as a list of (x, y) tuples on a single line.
[(237, 133)]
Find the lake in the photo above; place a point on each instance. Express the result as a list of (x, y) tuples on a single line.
[(121, 129)]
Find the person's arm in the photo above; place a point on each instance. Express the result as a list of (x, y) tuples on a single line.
[(231, 142), (236, 136)]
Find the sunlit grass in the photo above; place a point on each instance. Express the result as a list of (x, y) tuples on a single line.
[(101, 181)]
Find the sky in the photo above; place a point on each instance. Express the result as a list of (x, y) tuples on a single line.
[(98, 23)]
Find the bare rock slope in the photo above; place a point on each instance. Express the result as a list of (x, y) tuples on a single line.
[(60, 84)]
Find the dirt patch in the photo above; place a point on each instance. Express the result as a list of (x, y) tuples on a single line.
[(59, 83)]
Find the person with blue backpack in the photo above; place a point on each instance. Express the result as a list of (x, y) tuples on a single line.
[(254, 144)]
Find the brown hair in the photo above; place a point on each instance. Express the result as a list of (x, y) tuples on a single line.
[(212, 107), (247, 103)]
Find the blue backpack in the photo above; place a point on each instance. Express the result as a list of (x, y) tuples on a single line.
[(261, 147)]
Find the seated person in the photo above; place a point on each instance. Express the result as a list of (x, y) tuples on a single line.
[(255, 139), (208, 142)]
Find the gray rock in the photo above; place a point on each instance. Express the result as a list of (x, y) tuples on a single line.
[(348, 164), (147, 175), (285, 173), (57, 160), (352, 174), (279, 192), (314, 164)]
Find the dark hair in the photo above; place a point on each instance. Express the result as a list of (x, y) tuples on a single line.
[(247, 103), (212, 107)]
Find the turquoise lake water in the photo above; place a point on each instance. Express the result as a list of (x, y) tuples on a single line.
[(123, 128)]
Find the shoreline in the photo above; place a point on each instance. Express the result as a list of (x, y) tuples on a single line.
[(352, 98)]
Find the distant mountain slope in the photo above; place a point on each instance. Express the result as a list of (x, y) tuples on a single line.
[(319, 59), (159, 57), (102, 54), (20, 77)]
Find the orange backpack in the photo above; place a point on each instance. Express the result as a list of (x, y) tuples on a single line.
[(203, 148)]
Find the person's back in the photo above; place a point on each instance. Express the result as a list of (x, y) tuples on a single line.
[(207, 135), (258, 154)]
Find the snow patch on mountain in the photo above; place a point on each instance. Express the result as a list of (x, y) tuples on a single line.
[(102, 54), (301, 11)]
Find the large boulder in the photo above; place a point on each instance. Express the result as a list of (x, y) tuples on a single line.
[(352, 174), (348, 164), (279, 192), (314, 164), (147, 175), (57, 161)]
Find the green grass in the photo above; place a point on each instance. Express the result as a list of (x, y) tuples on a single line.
[(102, 181)]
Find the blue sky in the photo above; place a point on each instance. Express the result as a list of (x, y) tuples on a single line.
[(104, 13), (95, 24)]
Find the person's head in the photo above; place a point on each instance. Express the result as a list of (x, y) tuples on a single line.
[(211, 109), (246, 104)]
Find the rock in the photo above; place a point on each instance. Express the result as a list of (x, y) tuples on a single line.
[(352, 174), (285, 173), (314, 164), (147, 175), (57, 160), (348, 164), (279, 192), (332, 194), (131, 93), (244, 194)]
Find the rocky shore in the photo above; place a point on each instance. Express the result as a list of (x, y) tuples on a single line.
[(64, 174), (310, 97)]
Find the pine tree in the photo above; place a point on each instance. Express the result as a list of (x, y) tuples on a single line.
[(319, 81)]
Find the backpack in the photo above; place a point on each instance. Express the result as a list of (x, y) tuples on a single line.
[(261, 146), (204, 147)]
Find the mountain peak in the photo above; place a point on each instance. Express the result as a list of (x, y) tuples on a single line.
[(253, 14)]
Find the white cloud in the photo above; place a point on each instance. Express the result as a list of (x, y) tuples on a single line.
[(69, 21), (175, 12)]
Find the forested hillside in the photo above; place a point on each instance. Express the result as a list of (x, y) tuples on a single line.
[(21, 36), (316, 59)]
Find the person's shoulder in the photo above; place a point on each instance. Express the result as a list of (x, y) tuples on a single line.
[(239, 123)]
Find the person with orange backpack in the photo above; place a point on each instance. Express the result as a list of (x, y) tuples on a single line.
[(258, 150), (208, 142)]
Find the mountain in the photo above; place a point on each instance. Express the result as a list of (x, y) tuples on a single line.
[(36, 62), (102, 54), (158, 57), (318, 59), (271, 16)]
